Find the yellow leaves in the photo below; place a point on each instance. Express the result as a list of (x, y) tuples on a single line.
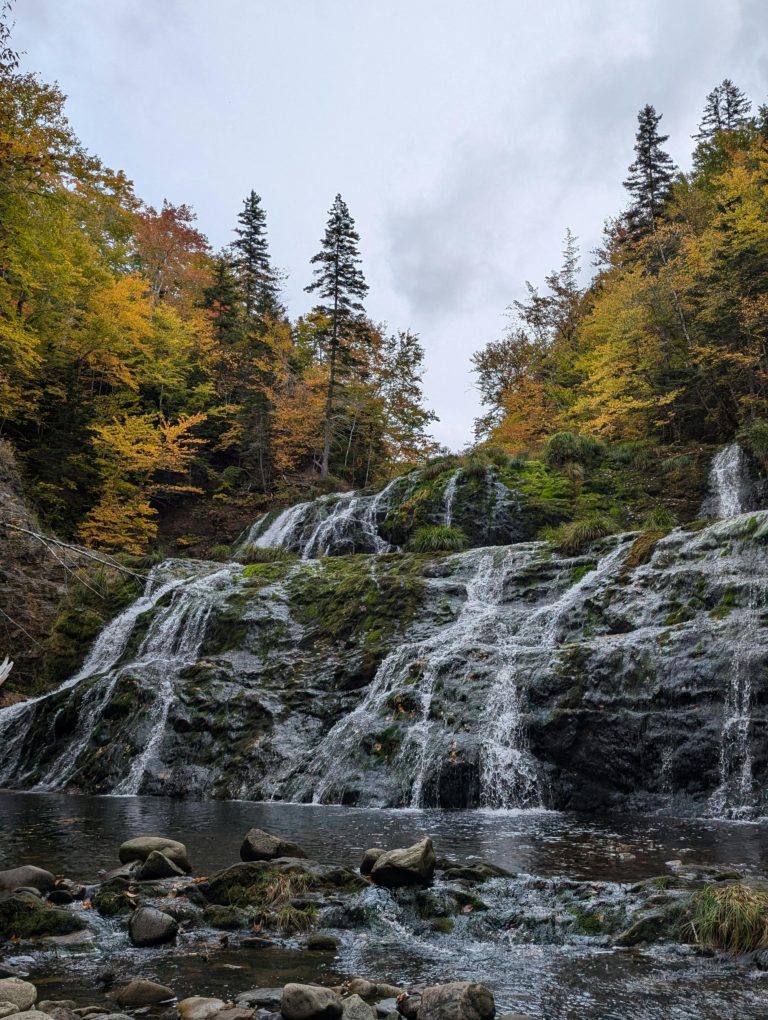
[(131, 453)]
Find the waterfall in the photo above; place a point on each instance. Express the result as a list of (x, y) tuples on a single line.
[(330, 525), (448, 498), (171, 642), (510, 776), (729, 482)]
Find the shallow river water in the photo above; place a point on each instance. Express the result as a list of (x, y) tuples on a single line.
[(79, 837)]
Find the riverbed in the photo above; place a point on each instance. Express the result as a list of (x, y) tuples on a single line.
[(79, 835)]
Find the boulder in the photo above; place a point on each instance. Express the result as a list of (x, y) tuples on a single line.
[(354, 1008), (30, 1014), (263, 998), (140, 992), (7, 1008), (363, 987), (310, 1002), (322, 942), (22, 994), (369, 859), (457, 1000), (140, 848), (158, 866), (48, 1005), (197, 1007), (151, 927), (259, 845), (386, 1007), (408, 1006), (26, 875), (26, 916), (412, 865)]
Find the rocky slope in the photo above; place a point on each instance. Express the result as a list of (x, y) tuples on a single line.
[(632, 675)]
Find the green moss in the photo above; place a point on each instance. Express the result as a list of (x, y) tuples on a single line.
[(581, 571), (588, 922), (444, 925), (679, 614), (25, 916), (575, 536), (358, 600), (725, 606)]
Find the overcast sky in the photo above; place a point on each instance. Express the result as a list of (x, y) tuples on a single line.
[(465, 135)]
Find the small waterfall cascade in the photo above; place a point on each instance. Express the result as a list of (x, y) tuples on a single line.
[(735, 796), (171, 642), (730, 485), (510, 776), (405, 684), (449, 497), (333, 524), (16, 721)]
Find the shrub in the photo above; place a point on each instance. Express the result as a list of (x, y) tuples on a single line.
[(730, 918), (575, 536), (496, 456), (565, 447), (754, 438), (476, 466), (257, 554), (437, 538)]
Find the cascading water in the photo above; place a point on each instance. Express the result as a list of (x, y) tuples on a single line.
[(730, 485), (449, 497), (346, 522), (172, 641)]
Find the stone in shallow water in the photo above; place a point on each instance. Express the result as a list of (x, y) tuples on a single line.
[(22, 994), (354, 1008), (322, 942), (197, 1007), (30, 1014), (158, 866), (259, 845), (412, 865), (26, 875), (369, 859), (310, 1002), (264, 998), (140, 992), (141, 847), (457, 1000), (151, 927)]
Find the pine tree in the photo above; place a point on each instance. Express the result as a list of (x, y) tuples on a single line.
[(250, 258), (727, 109), (650, 175), (341, 285)]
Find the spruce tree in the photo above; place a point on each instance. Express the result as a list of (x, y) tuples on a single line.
[(340, 284), (250, 259), (650, 175), (726, 109)]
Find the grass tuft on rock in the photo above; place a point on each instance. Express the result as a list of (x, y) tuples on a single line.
[(437, 538), (730, 919), (575, 536), (256, 554)]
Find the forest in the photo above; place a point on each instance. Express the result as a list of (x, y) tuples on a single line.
[(142, 373)]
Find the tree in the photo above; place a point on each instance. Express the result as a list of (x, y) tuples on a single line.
[(340, 283), (727, 108), (259, 282), (650, 175), (171, 253), (406, 419)]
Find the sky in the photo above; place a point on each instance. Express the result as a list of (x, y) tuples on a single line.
[(465, 135)]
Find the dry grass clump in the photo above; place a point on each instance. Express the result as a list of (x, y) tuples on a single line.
[(730, 919)]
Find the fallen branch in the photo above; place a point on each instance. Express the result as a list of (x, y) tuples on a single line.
[(47, 541)]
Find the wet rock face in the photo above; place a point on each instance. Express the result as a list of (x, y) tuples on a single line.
[(498, 677)]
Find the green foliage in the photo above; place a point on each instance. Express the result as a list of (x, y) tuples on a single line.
[(575, 536), (659, 519), (568, 448), (437, 538), (754, 438), (730, 919)]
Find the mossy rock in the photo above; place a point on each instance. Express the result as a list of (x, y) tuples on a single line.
[(227, 918), (25, 916)]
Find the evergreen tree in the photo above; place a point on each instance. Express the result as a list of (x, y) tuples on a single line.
[(340, 283), (250, 259), (726, 109), (650, 175)]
